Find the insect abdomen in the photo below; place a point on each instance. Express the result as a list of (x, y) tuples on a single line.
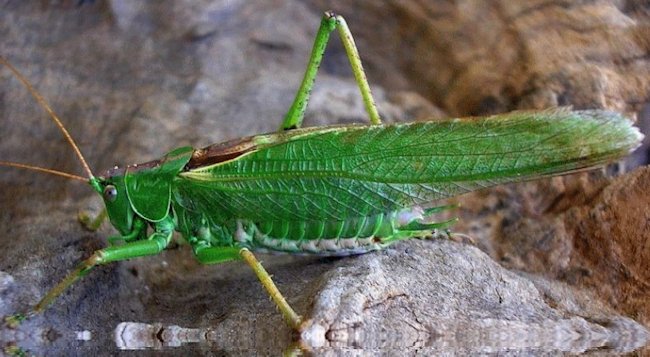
[(352, 236), (313, 230)]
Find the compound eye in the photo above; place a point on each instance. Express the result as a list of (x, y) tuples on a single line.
[(110, 193)]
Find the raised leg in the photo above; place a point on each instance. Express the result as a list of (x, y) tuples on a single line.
[(154, 245), (213, 255), (294, 117)]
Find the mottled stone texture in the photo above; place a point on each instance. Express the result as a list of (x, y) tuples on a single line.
[(473, 57), (558, 265)]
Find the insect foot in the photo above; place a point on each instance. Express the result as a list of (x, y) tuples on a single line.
[(13, 350), (15, 320)]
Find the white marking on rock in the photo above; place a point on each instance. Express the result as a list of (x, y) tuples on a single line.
[(84, 335)]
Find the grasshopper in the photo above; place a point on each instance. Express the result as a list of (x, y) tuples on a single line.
[(334, 190)]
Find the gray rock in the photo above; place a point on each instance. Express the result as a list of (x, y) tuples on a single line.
[(441, 296)]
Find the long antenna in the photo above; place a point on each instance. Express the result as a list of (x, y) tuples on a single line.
[(56, 119), (42, 169)]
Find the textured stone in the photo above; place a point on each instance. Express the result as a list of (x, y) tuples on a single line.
[(473, 57), (436, 294)]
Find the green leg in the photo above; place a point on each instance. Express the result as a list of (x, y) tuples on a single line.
[(417, 226), (138, 227), (294, 117), (213, 255), (437, 209), (154, 245)]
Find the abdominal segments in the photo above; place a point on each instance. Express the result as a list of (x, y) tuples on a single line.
[(338, 238)]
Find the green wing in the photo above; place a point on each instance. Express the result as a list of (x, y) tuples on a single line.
[(334, 173)]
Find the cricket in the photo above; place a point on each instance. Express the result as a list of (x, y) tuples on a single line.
[(333, 190)]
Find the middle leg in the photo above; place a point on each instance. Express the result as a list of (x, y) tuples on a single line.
[(214, 255)]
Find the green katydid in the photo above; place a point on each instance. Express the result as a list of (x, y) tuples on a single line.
[(336, 190)]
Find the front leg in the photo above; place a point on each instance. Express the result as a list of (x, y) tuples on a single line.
[(153, 245)]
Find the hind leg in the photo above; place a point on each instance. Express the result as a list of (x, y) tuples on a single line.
[(330, 22)]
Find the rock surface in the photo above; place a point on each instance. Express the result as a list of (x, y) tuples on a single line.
[(132, 80), (435, 295)]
